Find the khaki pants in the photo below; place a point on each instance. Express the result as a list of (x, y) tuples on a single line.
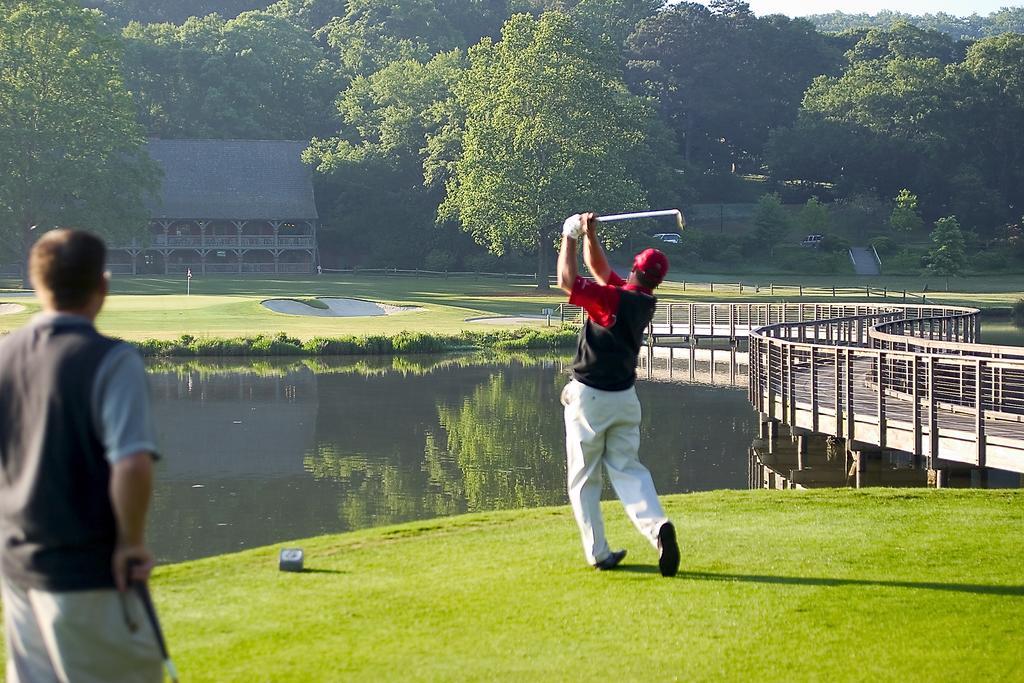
[(603, 428), (96, 636)]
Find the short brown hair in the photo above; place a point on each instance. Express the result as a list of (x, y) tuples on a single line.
[(68, 265), (645, 281)]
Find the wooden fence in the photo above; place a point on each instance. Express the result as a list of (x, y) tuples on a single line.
[(909, 377), (903, 377), (818, 292)]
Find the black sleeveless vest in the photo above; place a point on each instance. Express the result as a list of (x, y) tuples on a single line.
[(57, 525), (606, 356)]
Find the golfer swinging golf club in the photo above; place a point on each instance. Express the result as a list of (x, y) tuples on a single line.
[(602, 411)]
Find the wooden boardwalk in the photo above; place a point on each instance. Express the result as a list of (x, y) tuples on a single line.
[(884, 376), (692, 365), (955, 437), (908, 378)]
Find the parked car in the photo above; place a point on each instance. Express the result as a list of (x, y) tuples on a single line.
[(670, 237), (811, 240)]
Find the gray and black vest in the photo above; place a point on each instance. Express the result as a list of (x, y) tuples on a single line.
[(57, 525), (606, 356)]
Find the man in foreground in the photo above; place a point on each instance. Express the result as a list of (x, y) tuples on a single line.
[(602, 411), (76, 460)]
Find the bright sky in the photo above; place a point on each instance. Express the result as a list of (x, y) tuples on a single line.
[(798, 8)]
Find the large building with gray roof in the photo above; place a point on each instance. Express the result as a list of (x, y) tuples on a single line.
[(227, 206)]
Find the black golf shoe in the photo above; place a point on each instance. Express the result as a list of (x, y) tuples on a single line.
[(610, 562), (668, 549)]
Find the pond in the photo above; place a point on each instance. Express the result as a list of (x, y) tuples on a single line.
[(260, 452), (1001, 332), (257, 453)]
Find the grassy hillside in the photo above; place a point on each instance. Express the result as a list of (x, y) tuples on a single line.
[(825, 585)]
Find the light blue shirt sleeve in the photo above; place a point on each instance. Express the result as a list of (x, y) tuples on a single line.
[(121, 405)]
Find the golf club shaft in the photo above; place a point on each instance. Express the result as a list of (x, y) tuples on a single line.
[(147, 603), (640, 214)]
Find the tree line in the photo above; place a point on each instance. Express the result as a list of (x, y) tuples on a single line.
[(458, 133), (973, 27)]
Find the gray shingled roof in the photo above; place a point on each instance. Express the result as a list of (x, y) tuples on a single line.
[(232, 180)]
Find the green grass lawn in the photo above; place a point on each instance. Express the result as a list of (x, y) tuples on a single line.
[(156, 308), (825, 585)]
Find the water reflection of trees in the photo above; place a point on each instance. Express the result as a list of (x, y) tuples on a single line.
[(493, 441), (381, 490), (506, 438)]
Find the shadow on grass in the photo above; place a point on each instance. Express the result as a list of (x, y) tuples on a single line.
[(310, 570), (981, 589)]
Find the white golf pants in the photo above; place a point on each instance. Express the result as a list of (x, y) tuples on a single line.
[(91, 636), (603, 427)]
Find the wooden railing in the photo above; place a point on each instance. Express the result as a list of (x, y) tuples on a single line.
[(570, 314), (228, 268), (906, 377), (737, 320), (233, 241), (693, 365), (909, 378), (816, 291), (421, 272)]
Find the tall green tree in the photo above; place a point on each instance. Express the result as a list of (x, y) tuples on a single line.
[(70, 148), (469, 19), (993, 90), (255, 76), (367, 35), (770, 221), (973, 27), (394, 124), (151, 11), (1006, 20), (723, 78), (905, 217), (550, 130), (906, 41), (614, 20), (485, 437), (903, 114), (813, 217), (374, 33), (731, 9), (947, 257), (884, 122)]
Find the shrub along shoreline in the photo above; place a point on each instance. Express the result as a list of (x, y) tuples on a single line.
[(353, 345)]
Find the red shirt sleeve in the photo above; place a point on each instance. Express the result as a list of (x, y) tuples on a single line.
[(601, 302)]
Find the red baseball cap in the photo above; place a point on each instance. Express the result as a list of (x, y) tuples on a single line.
[(652, 264)]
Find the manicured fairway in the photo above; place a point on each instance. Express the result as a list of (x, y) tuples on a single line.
[(900, 585), (156, 308), (221, 307)]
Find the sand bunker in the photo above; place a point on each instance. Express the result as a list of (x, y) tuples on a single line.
[(337, 308), (510, 319), (10, 309)]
